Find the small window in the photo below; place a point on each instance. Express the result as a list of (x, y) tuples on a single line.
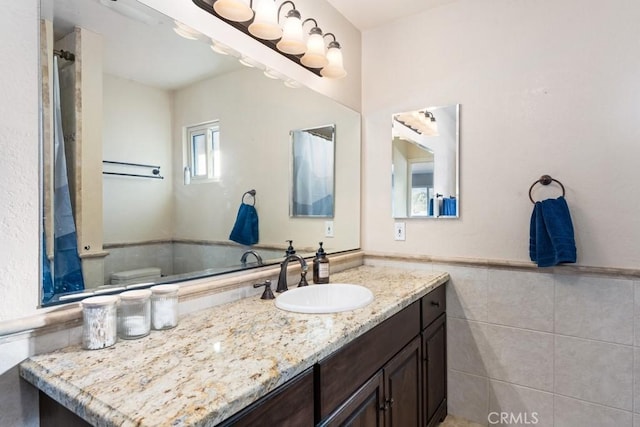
[(203, 149)]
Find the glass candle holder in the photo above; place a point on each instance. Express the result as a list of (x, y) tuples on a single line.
[(134, 314), (164, 306), (99, 322)]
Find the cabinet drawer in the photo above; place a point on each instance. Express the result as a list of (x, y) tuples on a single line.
[(290, 405), (342, 373), (433, 305)]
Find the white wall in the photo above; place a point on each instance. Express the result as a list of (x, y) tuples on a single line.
[(137, 129), (545, 88), (19, 216)]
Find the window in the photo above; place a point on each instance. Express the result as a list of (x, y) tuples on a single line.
[(203, 148)]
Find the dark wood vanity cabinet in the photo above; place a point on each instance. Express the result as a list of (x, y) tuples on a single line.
[(434, 356), (390, 398), (290, 405), (392, 376)]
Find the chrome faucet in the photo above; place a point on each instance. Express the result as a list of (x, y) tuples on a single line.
[(282, 278), (243, 260)]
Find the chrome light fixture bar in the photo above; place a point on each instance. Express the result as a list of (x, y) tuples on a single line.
[(262, 20)]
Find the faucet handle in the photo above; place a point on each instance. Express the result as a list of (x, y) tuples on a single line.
[(267, 294), (303, 279)]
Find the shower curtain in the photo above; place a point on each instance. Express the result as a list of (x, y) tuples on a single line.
[(313, 175), (67, 267)]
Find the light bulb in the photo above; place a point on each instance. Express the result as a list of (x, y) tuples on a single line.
[(233, 10), (292, 41), (315, 56), (335, 69), (265, 24)]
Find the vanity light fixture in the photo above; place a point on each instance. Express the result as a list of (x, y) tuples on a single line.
[(430, 124), (292, 41), (335, 68), (261, 19), (234, 10), (315, 56), (422, 122)]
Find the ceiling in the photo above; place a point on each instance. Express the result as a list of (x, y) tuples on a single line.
[(368, 14)]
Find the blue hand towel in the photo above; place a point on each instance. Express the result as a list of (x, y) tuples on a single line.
[(551, 240), (245, 230), (449, 206)]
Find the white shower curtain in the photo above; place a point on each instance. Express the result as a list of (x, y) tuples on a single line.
[(313, 175)]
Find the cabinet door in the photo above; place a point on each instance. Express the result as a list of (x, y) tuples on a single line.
[(434, 339), (289, 405), (403, 387), (363, 409)]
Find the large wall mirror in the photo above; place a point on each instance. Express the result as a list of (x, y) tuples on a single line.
[(163, 138), (425, 163)]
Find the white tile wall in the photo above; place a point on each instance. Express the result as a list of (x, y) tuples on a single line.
[(467, 297), (594, 371), (465, 344), (562, 345), (575, 413), (519, 356), (528, 405), (595, 308), (468, 396), (521, 299)]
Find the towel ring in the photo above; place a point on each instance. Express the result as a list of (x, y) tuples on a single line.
[(544, 180), (251, 193)]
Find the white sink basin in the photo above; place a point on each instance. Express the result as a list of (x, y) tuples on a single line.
[(331, 298)]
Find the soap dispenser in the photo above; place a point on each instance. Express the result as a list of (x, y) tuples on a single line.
[(290, 250), (321, 266)]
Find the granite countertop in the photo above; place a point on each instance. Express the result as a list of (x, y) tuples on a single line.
[(216, 361)]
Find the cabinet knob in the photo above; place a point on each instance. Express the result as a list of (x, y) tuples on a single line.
[(435, 303)]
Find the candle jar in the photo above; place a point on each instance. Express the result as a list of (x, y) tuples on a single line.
[(99, 322), (164, 306), (134, 314)]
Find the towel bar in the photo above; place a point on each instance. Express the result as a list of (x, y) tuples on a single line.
[(544, 180)]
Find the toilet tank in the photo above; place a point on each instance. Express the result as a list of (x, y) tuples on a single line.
[(135, 276)]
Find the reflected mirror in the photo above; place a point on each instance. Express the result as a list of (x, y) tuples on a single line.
[(312, 163), (163, 138), (425, 163)]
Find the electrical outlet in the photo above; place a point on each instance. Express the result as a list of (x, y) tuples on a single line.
[(328, 229), (399, 232)]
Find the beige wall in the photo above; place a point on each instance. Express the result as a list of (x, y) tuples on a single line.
[(137, 120), (545, 88)]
